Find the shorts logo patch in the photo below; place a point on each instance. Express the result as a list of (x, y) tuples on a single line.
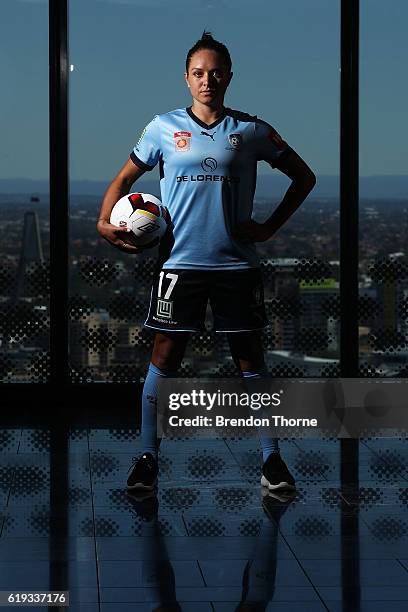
[(164, 309), (235, 141), (182, 141)]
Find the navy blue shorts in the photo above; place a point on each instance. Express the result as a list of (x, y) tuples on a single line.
[(179, 298)]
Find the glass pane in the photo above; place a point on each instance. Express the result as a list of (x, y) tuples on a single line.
[(24, 193), (383, 190), (281, 57)]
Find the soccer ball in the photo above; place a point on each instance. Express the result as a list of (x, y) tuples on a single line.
[(144, 215)]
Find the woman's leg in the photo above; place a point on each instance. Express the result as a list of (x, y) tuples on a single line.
[(247, 353), (168, 352)]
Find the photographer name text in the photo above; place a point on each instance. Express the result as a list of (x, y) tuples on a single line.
[(276, 420)]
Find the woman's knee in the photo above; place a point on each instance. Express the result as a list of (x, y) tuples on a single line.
[(168, 350)]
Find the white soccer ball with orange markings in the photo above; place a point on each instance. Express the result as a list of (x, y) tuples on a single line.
[(144, 215)]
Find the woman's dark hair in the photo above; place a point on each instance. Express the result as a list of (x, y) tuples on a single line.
[(208, 42)]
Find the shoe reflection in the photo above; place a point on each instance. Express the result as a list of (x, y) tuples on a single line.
[(258, 584), (159, 580), (258, 580)]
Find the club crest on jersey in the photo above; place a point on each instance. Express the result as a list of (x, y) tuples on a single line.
[(182, 141), (235, 141)]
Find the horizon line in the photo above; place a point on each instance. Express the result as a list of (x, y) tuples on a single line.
[(94, 180)]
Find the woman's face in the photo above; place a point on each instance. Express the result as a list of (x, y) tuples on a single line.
[(208, 77)]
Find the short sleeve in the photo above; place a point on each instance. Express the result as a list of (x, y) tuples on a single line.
[(147, 151), (269, 144)]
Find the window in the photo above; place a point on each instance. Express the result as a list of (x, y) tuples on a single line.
[(123, 74), (383, 271), (24, 193)]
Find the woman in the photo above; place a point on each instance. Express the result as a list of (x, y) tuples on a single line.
[(208, 156)]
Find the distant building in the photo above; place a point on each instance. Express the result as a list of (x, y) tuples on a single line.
[(31, 250)]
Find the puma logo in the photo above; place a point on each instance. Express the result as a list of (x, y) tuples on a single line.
[(207, 134)]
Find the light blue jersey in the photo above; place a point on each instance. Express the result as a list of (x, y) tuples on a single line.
[(207, 181)]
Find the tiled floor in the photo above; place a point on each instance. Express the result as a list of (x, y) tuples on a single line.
[(215, 543)]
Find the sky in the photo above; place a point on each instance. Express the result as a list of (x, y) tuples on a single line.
[(128, 61)]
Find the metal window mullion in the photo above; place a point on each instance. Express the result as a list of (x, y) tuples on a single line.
[(59, 451), (349, 170), (58, 113), (349, 259)]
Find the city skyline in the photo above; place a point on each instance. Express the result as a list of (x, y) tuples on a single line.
[(268, 185), (108, 293)]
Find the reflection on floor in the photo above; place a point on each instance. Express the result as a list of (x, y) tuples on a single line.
[(210, 541)]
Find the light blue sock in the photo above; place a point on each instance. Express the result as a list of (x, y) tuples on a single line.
[(150, 443), (269, 445)]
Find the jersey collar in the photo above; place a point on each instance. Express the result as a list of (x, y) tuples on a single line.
[(206, 125)]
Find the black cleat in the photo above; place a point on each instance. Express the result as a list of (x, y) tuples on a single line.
[(143, 476), (144, 503), (275, 474), (275, 504)]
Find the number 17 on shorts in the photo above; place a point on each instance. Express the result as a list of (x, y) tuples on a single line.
[(178, 301), (161, 309), (165, 305)]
